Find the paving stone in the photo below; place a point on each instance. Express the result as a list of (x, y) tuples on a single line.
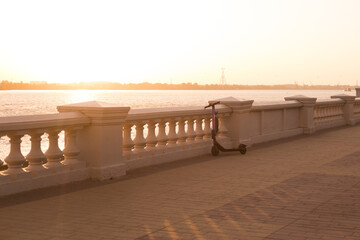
[(299, 188)]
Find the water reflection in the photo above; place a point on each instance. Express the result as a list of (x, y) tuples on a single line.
[(76, 96)]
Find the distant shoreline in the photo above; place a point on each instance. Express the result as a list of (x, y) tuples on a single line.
[(8, 85)]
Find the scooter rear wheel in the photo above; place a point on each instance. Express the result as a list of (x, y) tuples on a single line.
[(214, 151), (242, 148)]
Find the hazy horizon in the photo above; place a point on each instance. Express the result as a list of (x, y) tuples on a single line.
[(257, 42)]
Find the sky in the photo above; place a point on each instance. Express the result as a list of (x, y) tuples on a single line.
[(256, 41)]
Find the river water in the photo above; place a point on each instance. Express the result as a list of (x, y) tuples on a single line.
[(30, 102)]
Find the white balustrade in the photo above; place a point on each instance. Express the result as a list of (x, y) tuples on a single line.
[(71, 151), (16, 176), (15, 159), (35, 157), (148, 138), (53, 154), (189, 135), (328, 113)]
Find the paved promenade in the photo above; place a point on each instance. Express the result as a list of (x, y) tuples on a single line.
[(301, 188)]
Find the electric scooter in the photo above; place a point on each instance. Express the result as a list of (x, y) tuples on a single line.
[(216, 148)]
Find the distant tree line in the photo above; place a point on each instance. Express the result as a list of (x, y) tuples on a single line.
[(9, 85)]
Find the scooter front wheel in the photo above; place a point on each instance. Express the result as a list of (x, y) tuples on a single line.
[(242, 148), (214, 151)]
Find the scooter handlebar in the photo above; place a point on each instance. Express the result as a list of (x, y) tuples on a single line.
[(212, 104)]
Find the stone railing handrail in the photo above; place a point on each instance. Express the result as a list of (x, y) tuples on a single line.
[(155, 113), (17, 123), (275, 106), (328, 101)]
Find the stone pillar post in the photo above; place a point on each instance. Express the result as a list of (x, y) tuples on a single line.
[(357, 92), (348, 108), (306, 112), (238, 124), (101, 143)]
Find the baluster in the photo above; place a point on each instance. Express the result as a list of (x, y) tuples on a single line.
[(207, 128), (318, 114), (341, 112), (71, 150), (222, 126), (53, 154), (173, 137), (162, 138), (199, 131), (127, 141), (35, 157), (181, 133), (139, 140), (151, 139), (190, 131), (15, 159), (328, 112), (321, 113)]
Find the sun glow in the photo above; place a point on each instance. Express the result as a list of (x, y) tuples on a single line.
[(76, 96), (187, 41)]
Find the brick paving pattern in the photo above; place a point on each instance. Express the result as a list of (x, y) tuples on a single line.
[(300, 188)]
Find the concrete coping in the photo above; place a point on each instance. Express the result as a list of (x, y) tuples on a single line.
[(276, 106), (238, 105), (231, 101), (329, 101), (42, 121), (344, 97), (100, 113), (301, 98), (93, 106), (156, 113)]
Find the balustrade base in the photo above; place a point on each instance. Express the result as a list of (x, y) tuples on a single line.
[(26, 181), (15, 173), (273, 136), (36, 170), (325, 125), (181, 152), (109, 172)]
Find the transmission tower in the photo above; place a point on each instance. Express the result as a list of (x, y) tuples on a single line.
[(222, 79)]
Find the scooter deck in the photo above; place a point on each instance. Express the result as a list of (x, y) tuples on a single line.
[(222, 149)]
